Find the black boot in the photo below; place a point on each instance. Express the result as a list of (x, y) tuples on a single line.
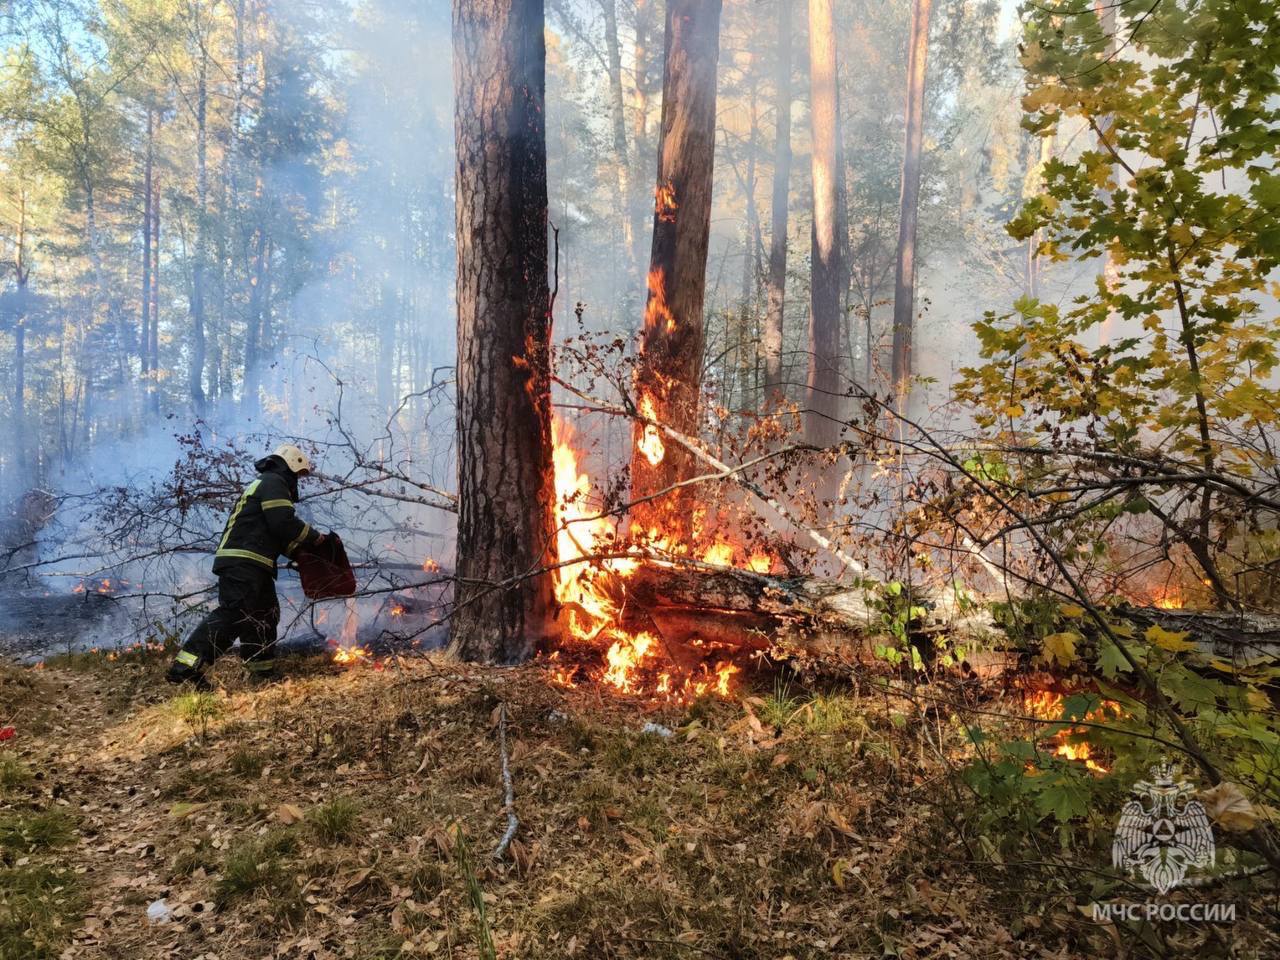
[(179, 674)]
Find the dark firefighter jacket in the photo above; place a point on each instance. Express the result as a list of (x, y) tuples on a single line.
[(263, 525)]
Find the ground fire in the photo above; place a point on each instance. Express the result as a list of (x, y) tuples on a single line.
[(1071, 744), (593, 593)]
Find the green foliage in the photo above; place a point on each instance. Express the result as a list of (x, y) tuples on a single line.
[(898, 612), (475, 896), (13, 774), (246, 763), (198, 709), (24, 833), (780, 707), (334, 821), (1171, 355), (255, 864), (40, 905)]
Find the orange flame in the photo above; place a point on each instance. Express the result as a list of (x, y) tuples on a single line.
[(591, 590), (664, 202), (650, 442), (351, 656), (656, 311), (1046, 705)]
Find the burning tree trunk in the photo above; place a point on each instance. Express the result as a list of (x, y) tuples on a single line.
[(904, 278), (777, 282), (505, 492), (670, 365), (823, 402)]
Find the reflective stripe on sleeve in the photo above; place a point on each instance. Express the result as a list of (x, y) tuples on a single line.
[(273, 504), (267, 562), (306, 529)]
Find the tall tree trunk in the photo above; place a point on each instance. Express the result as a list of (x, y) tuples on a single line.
[(195, 375), (253, 325), (505, 483), (777, 282), (22, 272), (641, 203), (669, 371), (751, 221), (909, 206), (144, 336), (617, 111), (154, 293), (1043, 149), (822, 415)]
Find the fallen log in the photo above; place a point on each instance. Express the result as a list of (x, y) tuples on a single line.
[(743, 609), (729, 607)]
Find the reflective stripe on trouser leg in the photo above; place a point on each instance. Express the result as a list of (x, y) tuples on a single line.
[(260, 666), (187, 659)]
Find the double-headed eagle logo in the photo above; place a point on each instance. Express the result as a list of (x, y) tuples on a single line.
[(1164, 833)]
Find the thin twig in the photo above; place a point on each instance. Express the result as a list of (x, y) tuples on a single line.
[(508, 789)]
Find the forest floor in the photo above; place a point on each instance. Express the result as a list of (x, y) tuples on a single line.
[(319, 818)]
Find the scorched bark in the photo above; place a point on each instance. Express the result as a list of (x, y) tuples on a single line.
[(505, 483), (670, 368)]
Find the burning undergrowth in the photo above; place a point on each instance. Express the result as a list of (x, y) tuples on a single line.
[(605, 638)]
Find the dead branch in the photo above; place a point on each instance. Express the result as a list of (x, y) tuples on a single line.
[(508, 790)]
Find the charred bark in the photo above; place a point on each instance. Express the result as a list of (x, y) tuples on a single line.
[(909, 205), (822, 414), (777, 280), (673, 337), (505, 480)]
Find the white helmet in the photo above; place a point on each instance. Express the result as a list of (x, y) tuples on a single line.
[(294, 458)]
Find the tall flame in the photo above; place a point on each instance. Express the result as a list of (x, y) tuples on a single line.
[(589, 584)]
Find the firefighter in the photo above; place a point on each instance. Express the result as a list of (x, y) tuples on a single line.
[(262, 526)]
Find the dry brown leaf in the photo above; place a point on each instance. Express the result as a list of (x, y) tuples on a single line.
[(1228, 807), (289, 813)]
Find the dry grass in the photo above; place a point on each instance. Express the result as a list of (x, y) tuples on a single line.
[(326, 817)]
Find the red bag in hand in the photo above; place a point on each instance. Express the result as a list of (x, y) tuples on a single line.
[(325, 570)]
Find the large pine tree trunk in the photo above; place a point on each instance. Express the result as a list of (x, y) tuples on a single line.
[(505, 482), (821, 424), (618, 116), (777, 279), (909, 205), (670, 367), (641, 203)]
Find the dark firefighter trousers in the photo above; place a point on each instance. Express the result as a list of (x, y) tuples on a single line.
[(247, 611)]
